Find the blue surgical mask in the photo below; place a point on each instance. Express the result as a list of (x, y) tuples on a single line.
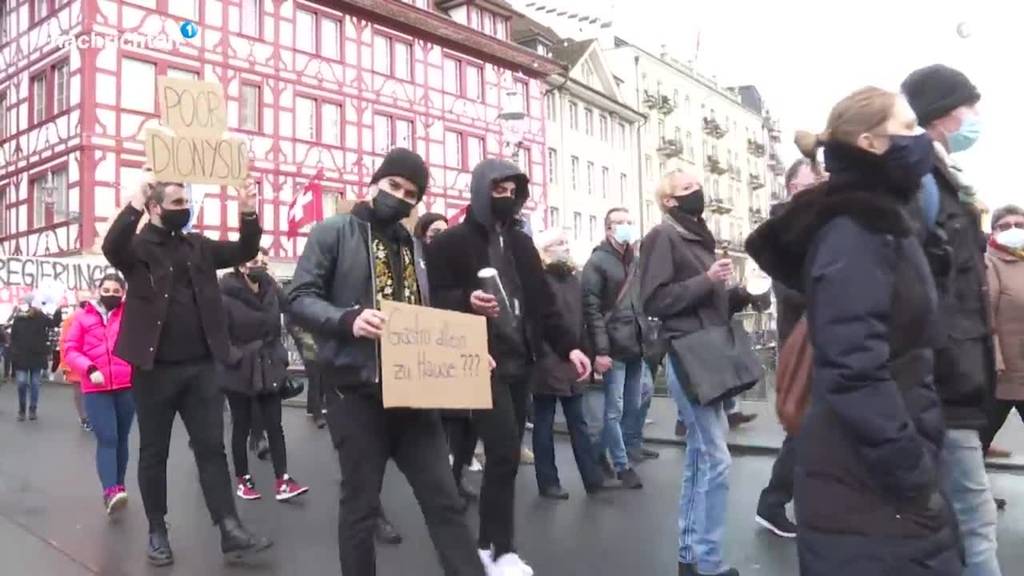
[(623, 233), (966, 136)]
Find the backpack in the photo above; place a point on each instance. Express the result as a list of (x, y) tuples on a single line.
[(793, 378)]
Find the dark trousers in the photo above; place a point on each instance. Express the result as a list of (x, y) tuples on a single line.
[(501, 429), (244, 410), (367, 436), (779, 491), (111, 414), (998, 411), (192, 390), (462, 437), (316, 392), (544, 440)]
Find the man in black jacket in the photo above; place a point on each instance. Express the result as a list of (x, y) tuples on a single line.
[(614, 328), (351, 262), (944, 100), (172, 332), (520, 317)]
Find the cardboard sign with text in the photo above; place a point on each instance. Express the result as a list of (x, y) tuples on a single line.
[(191, 146), (434, 358)]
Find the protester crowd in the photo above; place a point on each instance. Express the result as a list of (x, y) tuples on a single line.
[(900, 326)]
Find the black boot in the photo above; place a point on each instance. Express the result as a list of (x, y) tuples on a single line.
[(159, 552), (385, 532), (237, 543)]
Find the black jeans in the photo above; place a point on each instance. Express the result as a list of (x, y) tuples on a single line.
[(244, 410), (367, 436), (316, 392), (998, 411), (779, 491), (192, 390), (544, 440), (501, 429), (462, 437)]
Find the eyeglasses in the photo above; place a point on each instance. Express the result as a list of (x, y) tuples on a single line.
[(1004, 226)]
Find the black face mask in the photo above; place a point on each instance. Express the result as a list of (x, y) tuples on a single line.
[(110, 302), (691, 205), (175, 220), (390, 209), (503, 209), (255, 273), (908, 159)]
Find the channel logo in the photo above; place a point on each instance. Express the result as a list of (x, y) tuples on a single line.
[(189, 30)]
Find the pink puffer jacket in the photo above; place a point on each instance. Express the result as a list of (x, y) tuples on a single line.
[(90, 343)]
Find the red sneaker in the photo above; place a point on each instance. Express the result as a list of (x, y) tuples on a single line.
[(247, 489), (287, 488)]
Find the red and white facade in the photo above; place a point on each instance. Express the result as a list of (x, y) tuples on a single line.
[(331, 84)]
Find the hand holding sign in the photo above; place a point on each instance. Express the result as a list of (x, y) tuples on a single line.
[(248, 198), (369, 324), (142, 189)]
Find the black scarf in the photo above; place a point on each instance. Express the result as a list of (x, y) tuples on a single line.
[(699, 228)]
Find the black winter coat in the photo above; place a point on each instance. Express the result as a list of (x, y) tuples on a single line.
[(789, 304), (867, 454), (254, 329), (456, 255), (142, 259), (612, 323), (555, 375), (30, 339)]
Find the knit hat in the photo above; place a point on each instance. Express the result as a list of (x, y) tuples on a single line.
[(937, 90), (405, 164)]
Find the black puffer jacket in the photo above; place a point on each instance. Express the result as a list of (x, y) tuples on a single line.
[(867, 494), (555, 375), (611, 321), (30, 339), (254, 330)]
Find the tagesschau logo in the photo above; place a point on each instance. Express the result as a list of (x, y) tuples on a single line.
[(137, 40)]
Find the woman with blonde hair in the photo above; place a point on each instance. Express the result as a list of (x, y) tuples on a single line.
[(867, 482)]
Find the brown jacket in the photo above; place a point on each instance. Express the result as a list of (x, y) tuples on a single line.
[(1006, 294)]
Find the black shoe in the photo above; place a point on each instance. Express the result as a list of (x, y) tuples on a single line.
[(650, 454), (21, 416), (1000, 503), (237, 543), (32, 414), (319, 421), (680, 433), (606, 466), (641, 454), (386, 533), (691, 570), (630, 479), (467, 492), (737, 419), (554, 493), (159, 552), (776, 521)]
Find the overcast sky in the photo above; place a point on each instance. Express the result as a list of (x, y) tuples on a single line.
[(804, 55)]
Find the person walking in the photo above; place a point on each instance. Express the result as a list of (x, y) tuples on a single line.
[(173, 331), (518, 324), (351, 263), (555, 379), (614, 328), (945, 102), (106, 381), (67, 373), (868, 495), (253, 382), (30, 353)]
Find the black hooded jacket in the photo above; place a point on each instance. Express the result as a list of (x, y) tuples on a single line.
[(456, 255)]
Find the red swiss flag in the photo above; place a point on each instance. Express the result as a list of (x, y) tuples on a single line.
[(308, 206)]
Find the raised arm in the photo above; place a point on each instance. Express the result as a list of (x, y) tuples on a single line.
[(230, 253)]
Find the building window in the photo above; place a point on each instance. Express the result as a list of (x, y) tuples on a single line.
[(588, 73), (452, 76), (330, 123), (61, 79), (605, 176), (50, 198), (305, 31), (602, 123), (661, 130), (179, 73), (523, 90), (390, 132), (523, 160), (588, 121), (501, 28), (39, 98), (251, 13), (474, 151), (186, 9), (677, 134), (392, 56), (138, 85), (41, 8), (3, 210), (590, 178), (623, 184), (574, 172), (552, 165), (593, 228), (577, 223), (305, 118), (4, 18), (648, 166), (622, 135), (475, 82), (550, 106), (689, 144), (554, 217), (574, 116), (330, 38), (250, 107), (453, 149), (3, 113)]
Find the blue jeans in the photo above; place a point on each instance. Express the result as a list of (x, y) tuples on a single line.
[(111, 415), (622, 389), (633, 428), (965, 483), (28, 384), (705, 491), (544, 441)]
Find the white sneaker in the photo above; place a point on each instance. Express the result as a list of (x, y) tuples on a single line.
[(487, 559), (475, 466), (512, 565)]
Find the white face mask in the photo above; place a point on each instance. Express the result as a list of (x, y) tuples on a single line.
[(1012, 238)]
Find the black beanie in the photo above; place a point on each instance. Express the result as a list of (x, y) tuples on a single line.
[(937, 90), (406, 164)]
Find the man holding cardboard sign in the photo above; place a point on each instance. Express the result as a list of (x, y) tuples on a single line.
[(351, 265)]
